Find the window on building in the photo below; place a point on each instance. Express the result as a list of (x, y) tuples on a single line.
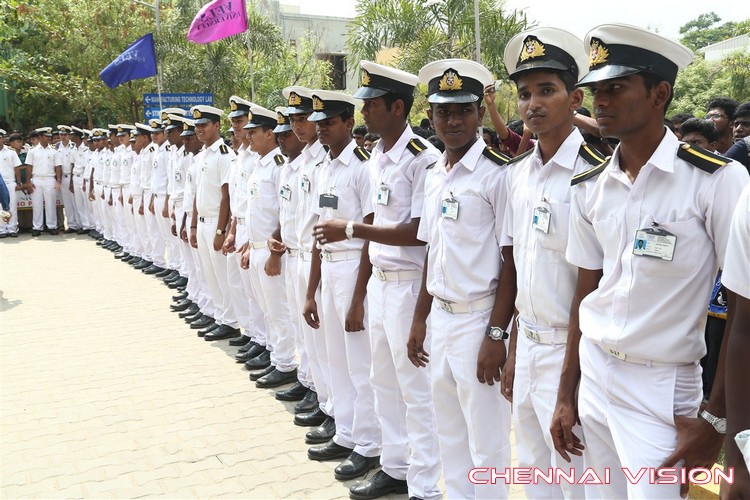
[(338, 72)]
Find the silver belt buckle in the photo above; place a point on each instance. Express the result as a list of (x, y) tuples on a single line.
[(326, 255), (617, 354), (531, 335), (379, 273), (445, 306)]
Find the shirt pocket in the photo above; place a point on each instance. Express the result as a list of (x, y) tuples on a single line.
[(349, 205), (472, 211), (556, 238), (398, 209), (691, 242)]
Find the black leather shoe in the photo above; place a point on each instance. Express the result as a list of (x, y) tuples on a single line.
[(296, 392), (122, 255), (256, 374), (254, 346), (187, 313), (54, 232), (192, 319), (152, 269), (380, 484), (172, 277), (180, 296), (308, 403), (144, 265), (254, 351), (115, 249), (239, 341), (163, 273), (180, 282), (81, 231), (322, 433), (312, 419), (276, 378), (354, 466), (186, 305), (262, 360), (201, 323), (223, 332), (36, 233), (328, 451), (210, 328), (130, 258)]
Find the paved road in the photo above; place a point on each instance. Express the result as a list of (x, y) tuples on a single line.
[(106, 394)]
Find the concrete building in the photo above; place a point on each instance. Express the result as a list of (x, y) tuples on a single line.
[(720, 50), (329, 30)]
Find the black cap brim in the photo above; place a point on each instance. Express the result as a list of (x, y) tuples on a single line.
[(607, 73), (186, 133), (237, 112), (282, 128), (319, 116), (449, 97), (543, 64), (369, 93), (297, 110)]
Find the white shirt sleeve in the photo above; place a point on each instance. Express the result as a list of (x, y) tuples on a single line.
[(584, 249), (736, 274)]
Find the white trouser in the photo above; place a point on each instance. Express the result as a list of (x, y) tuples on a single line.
[(627, 413), (129, 217), (12, 225), (473, 419), (256, 327), (180, 246), (82, 203), (291, 275), (154, 232), (43, 202), (107, 211), (315, 343), (215, 269), (537, 377), (139, 228), (403, 393), (356, 424), (97, 208), (197, 288), (164, 227), (69, 202), (271, 295), (174, 257), (121, 224)]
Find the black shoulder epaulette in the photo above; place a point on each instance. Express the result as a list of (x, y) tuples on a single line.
[(701, 158), (431, 165), (224, 149), (591, 155), (279, 159), (495, 156), (415, 146), (151, 149), (185, 153), (521, 156), (589, 174), (319, 163), (362, 154)]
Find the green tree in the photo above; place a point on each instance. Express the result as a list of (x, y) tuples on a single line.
[(705, 30), (426, 31)]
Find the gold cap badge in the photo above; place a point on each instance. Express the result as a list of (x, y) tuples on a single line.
[(197, 113), (532, 48), (598, 54), (185, 126), (294, 99), (154, 123), (451, 81), (233, 105), (280, 119), (365, 77), (164, 115), (317, 104)]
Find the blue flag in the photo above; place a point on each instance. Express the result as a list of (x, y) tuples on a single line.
[(137, 61)]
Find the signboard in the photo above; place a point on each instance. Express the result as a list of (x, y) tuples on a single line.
[(24, 200), (151, 105)]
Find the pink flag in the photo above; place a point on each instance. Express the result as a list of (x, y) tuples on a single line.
[(218, 19)]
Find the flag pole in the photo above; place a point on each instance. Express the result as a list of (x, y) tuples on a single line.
[(157, 17)]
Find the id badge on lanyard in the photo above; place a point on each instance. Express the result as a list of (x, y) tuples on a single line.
[(449, 207), (542, 216), (654, 242), (383, 195)]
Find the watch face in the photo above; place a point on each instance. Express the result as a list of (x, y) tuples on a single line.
[(496, 333), (721, 425)]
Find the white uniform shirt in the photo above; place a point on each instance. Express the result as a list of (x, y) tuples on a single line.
[(135, 175), (175, 156), (348, 178), (115, 166), (42, 161), (288, 200), (736, 275), (262, 213), (159, 162), (9, 160), (214, 172), (241, 169), (179, 172), (191, 177), (80, 159), (647, 307), (66, 157), (147, 166), (105, 165), (464, 253), (312, 157), (126, 165), (399, 173), (95, 164), (546, 280)]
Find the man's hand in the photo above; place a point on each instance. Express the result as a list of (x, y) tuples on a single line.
[(184, 234), (740, 488), (140, 209), (698, 444), (272, 267), (130, 199), (310, 313), (165, 211), (109, 201), (563, 420), (330, 231), (415, 345), (151, 206), (228, 246), (355, 317), (174, 229), (276, 246), (120, 198), (58, 185), (507, 377), (489, 94), (91, 196), (218, 242), (490, 359), (194, 237), (70, 187), (245, 256)]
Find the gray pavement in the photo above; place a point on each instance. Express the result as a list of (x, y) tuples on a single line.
[(106, 394)]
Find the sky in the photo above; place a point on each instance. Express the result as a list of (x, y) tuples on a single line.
[(664, 16)]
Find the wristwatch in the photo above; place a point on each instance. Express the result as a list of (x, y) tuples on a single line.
[(720, 424), (349, 231), (219, 232), (496, 333)]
